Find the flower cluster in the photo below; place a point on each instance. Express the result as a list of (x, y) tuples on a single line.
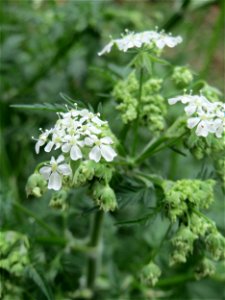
[(146, 38), (182, 194), (150, 110), (182, 76), (209, 117), (150, 274), (183, 244), (78, 135), (14, 252), (198, 228)]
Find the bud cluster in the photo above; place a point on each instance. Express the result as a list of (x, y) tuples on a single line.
[(14, 252), (152, 107), (150, 274), (183, 194), (182, 76)]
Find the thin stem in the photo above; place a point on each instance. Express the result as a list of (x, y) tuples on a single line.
[(94, 242), (138, 111), (171, 281)]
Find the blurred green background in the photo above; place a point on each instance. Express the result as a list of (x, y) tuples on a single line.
[(50, 47)]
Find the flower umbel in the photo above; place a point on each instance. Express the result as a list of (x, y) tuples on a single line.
[(207, 117), (74, 133), (138, 40)]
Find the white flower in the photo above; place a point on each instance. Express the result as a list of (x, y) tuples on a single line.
[(42, 140), (73, 145), (89, 116), (55, 171), (208, 116), (71, 131), (101, 148), (203, 123), (137, 40), (57, 139)]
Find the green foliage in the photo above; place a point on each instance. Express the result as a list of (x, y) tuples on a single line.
[(154, 217)]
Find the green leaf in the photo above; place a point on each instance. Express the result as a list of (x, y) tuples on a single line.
[(41, 107), (32, 273)]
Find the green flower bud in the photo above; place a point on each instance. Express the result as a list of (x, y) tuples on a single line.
[(201, 147), (183, 244), (152, 113), (199, 225), (58, 200), (181, 194), (84, 173), (103, 172), (175, 204), (182, 77), (150, 274), (104, 196), (128, 109), (152, 86), (215, 244), (36, 185), (14, 252), (205, 268)]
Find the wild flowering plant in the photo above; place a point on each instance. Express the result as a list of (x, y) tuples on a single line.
[(84, 151)]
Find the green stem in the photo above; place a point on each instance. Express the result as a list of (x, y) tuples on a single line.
[(172, 281), (94, 242), (138, 111)]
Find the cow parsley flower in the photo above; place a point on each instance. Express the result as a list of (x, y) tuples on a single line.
[(74, 132), (55, 171), (137, 40), (101, 148), (206, 116)]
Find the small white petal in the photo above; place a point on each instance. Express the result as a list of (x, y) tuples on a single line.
[(190, 109), (52, 161), (45, 172), (75, 153), (88, 141), (202, 129), (106, 49), (95, 154), (160, 43), (38, 145), (66, 147), (173, 100), (60, 159), (106, 140), (55, 181), (49, 146), (64, 169), (192, 122), (108, 152)]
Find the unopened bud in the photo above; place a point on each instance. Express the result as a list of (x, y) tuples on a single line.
[(36, 185), (104, 196), (150, 274), (182, 77)]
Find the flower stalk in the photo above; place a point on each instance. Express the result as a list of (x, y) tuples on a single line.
[(95, 235)]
